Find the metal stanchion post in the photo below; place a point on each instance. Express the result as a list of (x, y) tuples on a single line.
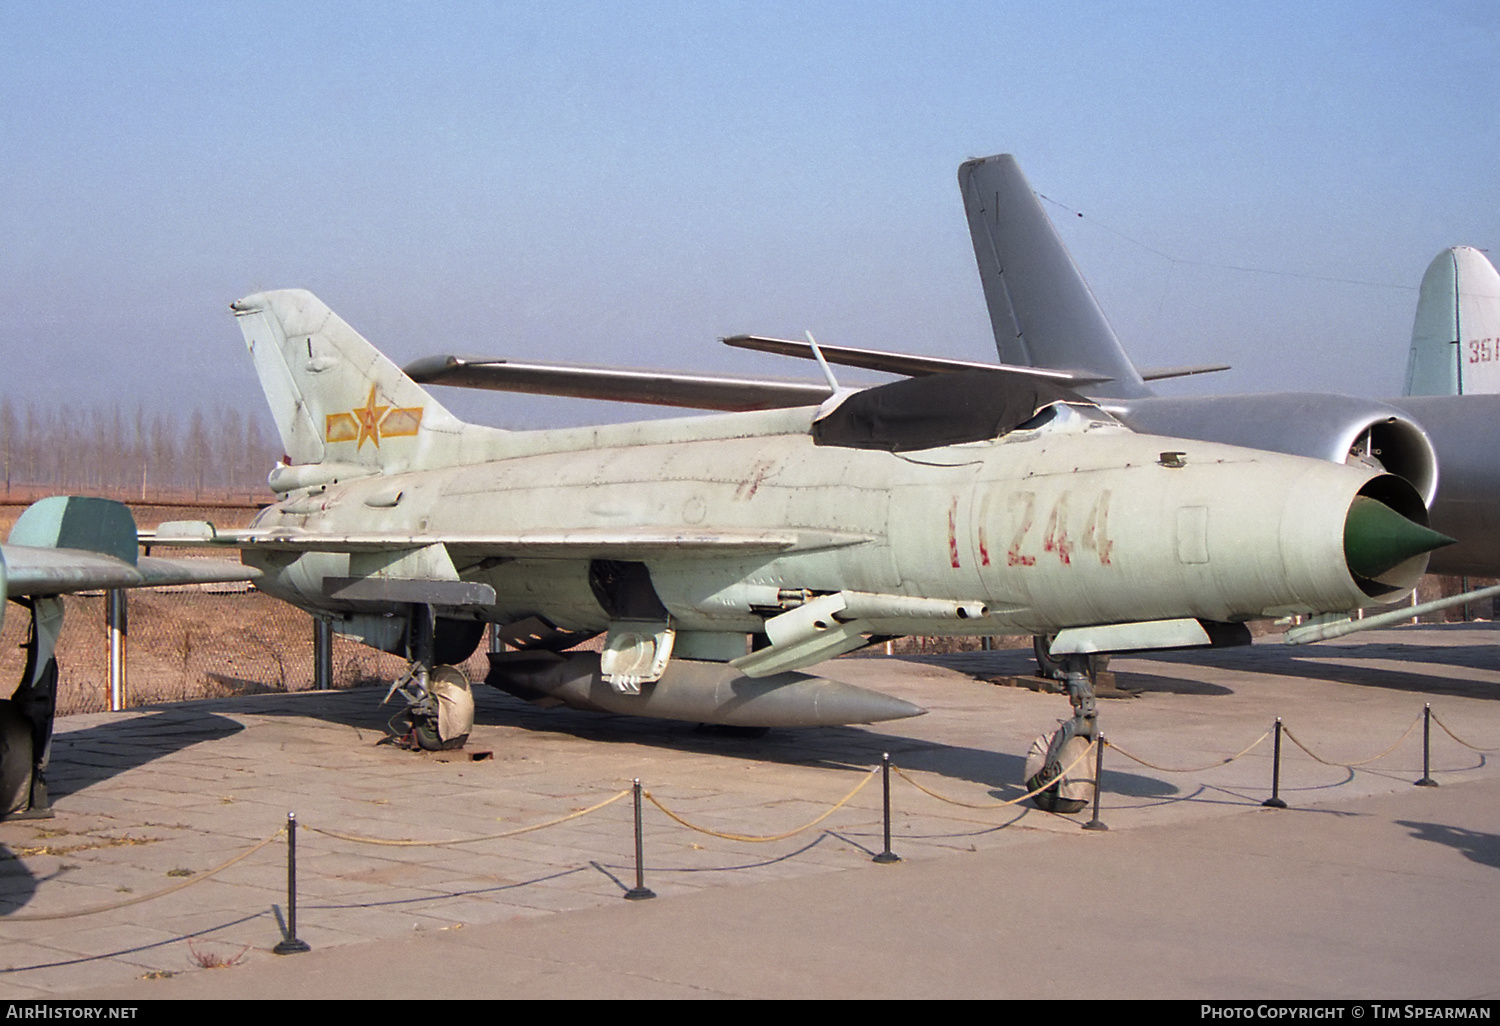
[(1275, 802), (1096, 823), (290, 945), (1427, 780), (640, 891), (886, 857), (116, 620), (322, 654)]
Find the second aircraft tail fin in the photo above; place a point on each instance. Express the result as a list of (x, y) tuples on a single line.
[(1042, 311), (1455, 339)]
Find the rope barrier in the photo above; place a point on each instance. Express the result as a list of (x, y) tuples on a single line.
[(1351, 765), (1196, 769), (1460, 740), (758, 839), (1009, 801), (40, 917), (749, 838), (387, 842)]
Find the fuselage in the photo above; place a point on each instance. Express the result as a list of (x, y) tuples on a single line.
[(1078, 521)]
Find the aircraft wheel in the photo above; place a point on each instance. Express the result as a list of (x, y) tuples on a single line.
[(1073, 791), (449, 729), (429, 741), (15, 760), (1048, 667)]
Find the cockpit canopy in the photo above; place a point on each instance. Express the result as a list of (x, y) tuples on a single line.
[(939, 409)]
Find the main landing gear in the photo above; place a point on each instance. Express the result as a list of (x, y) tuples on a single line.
[(26, 718), (440, 705), (1050, 756)]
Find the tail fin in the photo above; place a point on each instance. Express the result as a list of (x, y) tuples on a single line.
[(1041, 309), (1455, 340), (338, 402), (78, 522)]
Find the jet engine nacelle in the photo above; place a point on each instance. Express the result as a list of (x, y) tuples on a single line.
[(1337, 428)]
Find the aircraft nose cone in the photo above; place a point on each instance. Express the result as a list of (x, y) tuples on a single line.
[(1377, 538)]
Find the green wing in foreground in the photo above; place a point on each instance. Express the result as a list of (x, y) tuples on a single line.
[(61, 545)]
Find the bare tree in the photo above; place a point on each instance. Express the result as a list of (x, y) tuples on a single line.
[(104, 450), (199, 451), (9, 431), (163, 452), (140, 453)]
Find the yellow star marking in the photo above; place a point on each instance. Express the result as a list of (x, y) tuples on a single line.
[(369, 416), (372, 421)]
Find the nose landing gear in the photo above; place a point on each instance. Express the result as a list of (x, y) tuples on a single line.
[(1050, 756)]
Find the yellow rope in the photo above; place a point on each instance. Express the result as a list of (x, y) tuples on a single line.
[(1195, 769), (752, 838), (756, 839), (465, 840), (1009, 801), (1460, 740), (45, 916), (1351, 765)]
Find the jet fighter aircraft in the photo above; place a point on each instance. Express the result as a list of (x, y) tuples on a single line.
[(722, 555), (58, 546)]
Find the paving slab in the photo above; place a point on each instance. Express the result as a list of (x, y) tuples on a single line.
[(1367, 886)]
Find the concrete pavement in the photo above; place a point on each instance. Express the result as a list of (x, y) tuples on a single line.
[(1366, 887)]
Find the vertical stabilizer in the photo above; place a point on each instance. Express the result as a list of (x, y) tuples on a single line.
[(78, 522), (1455, 339), (337, 400), (1042, 311)]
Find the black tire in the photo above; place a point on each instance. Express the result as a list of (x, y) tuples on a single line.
[(1051, 799), (425, 731), (1047, 667), (1048, 800), (453, 641), (427, 738)]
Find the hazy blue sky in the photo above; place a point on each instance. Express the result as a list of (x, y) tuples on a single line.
[(623, 183)]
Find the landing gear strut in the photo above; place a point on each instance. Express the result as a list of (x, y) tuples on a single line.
[(1050, 756), (440, 706), (26, 718)]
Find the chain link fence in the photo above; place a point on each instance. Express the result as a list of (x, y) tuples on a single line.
[(186, 644)]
